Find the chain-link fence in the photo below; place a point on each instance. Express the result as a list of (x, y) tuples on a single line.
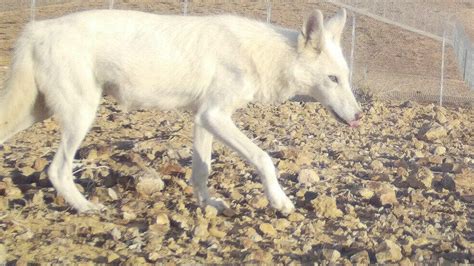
[(394, 47)]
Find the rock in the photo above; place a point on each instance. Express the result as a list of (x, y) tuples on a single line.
[(259, 202), (448, 183), (3, 204), (3, 188), (3, 254), (116, 234), (421, 178), (432, 132), (162, 219), (200, 231), (440, 117), (112, 257), (112, 194), (40, 164), (361, 257), (253, 235), (38, 199), (366, 193), (388, 251), (134, 260), (384, 193), (440, 150), (210, 212), (464, 182), (215, 232), (27, 171), (376, 165), (147, 186), (295, 217), (129, 216), (14, 193), (326, 207), (308, 177), (267, 229), (330, 255), (259, 257), (282, 224)]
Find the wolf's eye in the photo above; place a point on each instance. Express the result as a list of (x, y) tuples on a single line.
[(334, 79)]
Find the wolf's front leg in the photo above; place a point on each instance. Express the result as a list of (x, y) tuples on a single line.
[(202, 148), (221, 126)]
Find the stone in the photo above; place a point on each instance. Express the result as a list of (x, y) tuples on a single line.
[(308, 177), (440, 150), (259, 202), (112, 194), (421, 178), (282, 224), (3, 254), (295, 217), (112, 257), (210, 212), (326, 207), (259, 257), (365, 193), (330, 255), (215, 232), (448, 183), (200, 231), (384, 193), (147, 186), (388, 251), (376, 165), (116, 234), (162, 219), (432, 132), (361, 257), (267, 229), (40, 164), (440, 117)]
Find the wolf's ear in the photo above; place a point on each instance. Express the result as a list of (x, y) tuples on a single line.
[(311, 35), (335, 25)]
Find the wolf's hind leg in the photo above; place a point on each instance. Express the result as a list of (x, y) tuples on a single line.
[(75, 120)]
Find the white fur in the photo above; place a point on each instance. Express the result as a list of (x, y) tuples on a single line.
[(211, 65)]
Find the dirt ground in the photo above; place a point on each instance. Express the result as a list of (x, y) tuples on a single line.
[(397, 189)]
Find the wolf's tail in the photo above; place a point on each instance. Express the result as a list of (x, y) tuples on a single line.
[(21, 104)]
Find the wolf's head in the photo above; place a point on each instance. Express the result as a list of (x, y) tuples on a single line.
[(321, 69)]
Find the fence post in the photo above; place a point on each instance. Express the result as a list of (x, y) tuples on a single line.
[(441, 83), (33, 10), (111, 4), (351, 73), (185, 8), (269, 11)]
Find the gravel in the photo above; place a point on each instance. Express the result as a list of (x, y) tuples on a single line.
[(398, 189)]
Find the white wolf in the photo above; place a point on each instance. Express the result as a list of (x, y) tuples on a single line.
[(210, 65)]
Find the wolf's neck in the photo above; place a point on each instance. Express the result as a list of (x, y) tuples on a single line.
[(275, 68)]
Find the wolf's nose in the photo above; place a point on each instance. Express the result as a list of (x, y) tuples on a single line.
[(359, 115)]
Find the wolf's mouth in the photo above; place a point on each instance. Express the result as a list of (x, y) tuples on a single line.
[(338, 118)]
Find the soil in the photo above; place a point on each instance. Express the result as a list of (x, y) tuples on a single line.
[(398, 189)]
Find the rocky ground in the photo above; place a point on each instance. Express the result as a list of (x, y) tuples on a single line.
[(397, 189)]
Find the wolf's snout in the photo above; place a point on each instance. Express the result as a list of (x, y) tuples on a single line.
[(356, 122)]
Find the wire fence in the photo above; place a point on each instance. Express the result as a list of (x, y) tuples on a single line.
[(418, 75), (433, 20)]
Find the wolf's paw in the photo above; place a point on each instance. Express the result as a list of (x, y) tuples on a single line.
[(283, 204), (217, 203)]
